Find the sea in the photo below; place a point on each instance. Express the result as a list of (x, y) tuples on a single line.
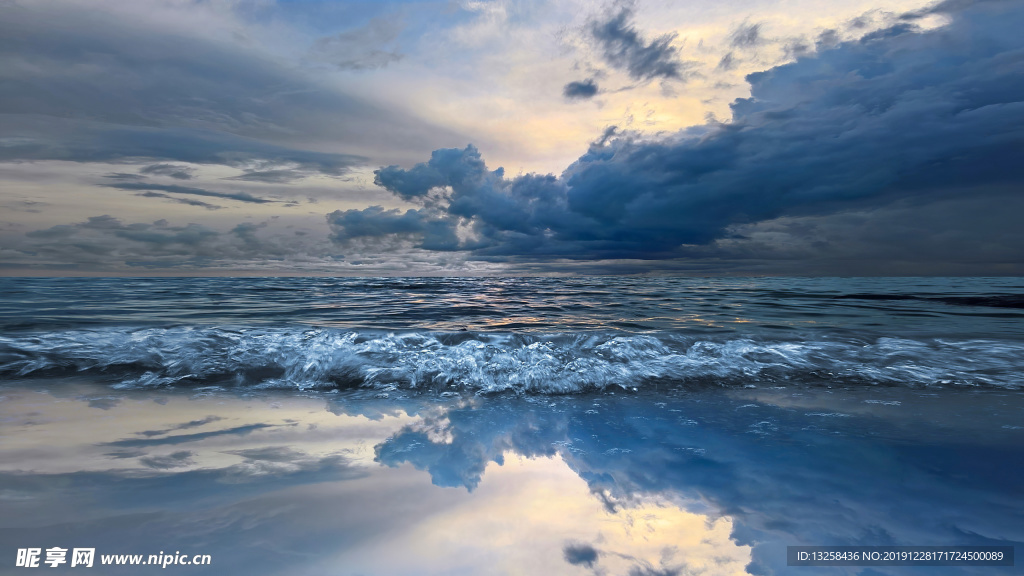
[(555, 425)]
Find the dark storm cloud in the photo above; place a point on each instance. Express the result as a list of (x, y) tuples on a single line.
[(175, 189), (899, 116), (580, 90), (436, 231), (983, 239), (93, 85), (625, 48), (446, 167), (455, 186)]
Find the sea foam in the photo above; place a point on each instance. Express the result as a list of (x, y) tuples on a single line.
[(496, 362)]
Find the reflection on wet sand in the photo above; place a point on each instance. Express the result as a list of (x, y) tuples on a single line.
[(711, 482)]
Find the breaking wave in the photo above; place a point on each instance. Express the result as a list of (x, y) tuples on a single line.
[(496, 362)]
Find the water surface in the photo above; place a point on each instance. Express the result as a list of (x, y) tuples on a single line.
[(509, 426)]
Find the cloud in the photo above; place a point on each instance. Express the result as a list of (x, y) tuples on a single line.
[(902, 119), (169, 461), (107, 243), (717, 455), (298, 244), (283, 461), (437, 232), (124, 176), (580, 90), (580, 554), (186, 201), (456, 187), (175, 189), (463, 461), (728, 62), (124, 454), (647, 570), (183, 426), (270, 454), (158, 234), (950, 234), (185, 438), (746, 36), (372, 46), (177, 172), (102, 84), (827, 39), (447, 167), (75, 141), (104, 403), (272, 176), (624, 47)]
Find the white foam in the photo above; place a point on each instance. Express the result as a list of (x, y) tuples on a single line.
[(491, 362)]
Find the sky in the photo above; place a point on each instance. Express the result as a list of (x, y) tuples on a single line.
[(504, 137)]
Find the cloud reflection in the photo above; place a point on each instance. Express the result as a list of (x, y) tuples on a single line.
[(784, 476), (713, 482)]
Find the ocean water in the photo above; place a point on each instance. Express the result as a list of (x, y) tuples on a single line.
[(603, 426), (521, 335)]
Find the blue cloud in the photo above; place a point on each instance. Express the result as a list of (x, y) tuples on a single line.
[(175, 189), (436, 233), (900, 117), (625, 48), (580, 90), (177, 172), (580, 554)]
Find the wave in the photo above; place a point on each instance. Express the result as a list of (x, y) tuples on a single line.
[(990, 300), (496, 362)]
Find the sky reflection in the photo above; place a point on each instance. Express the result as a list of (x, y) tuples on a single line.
[(708, 482)]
